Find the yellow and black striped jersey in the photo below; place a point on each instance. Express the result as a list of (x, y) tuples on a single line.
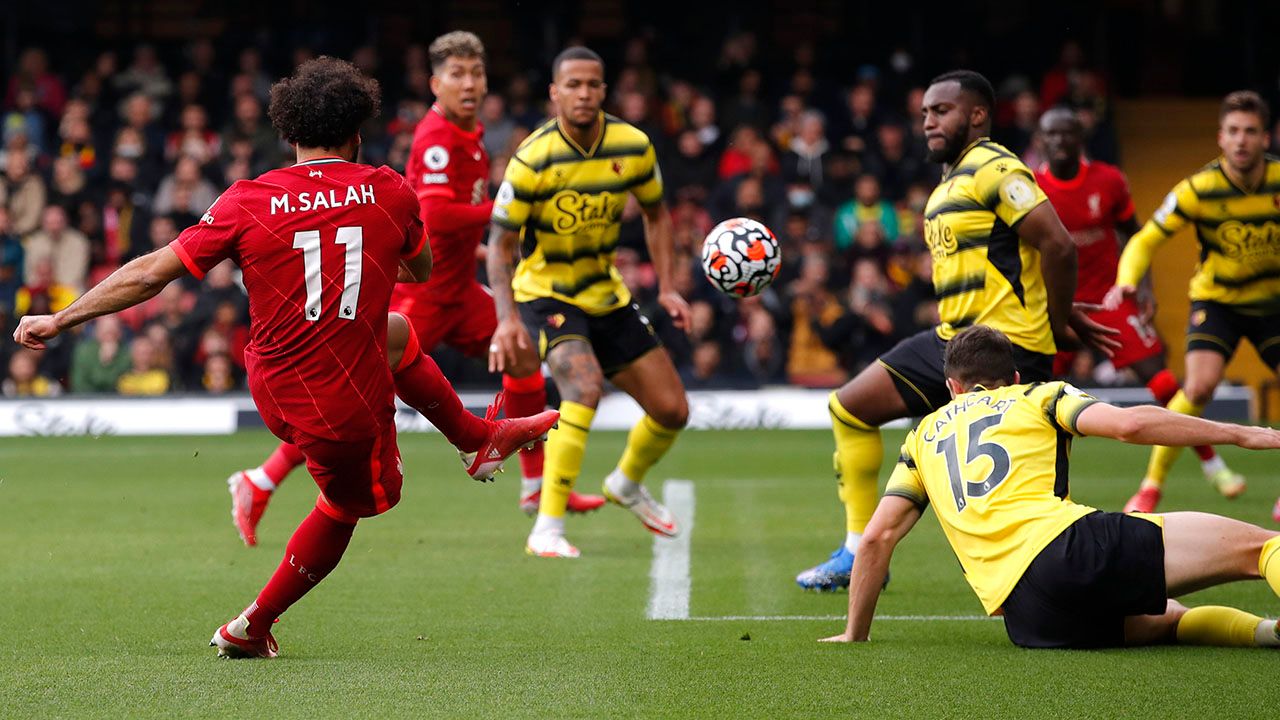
[(982, 272), (1239, 234), (567, 201), (993, 463)]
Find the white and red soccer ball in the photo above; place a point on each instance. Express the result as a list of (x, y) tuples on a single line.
[(741, 257)]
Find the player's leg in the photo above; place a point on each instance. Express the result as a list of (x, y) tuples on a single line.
[(359, 478), (907, 380), (251, 489), (653, 382), (523, 388), (581, 383), (483, 442), (1202, 550), (1155, 374)]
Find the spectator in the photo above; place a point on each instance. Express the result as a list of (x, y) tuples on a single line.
[(65, 247), (762, 354), (218, 377), (25, 118), (1019, 133), (803, 163), (184, 191), (98, 363), (194, 139), (42, 294), (897, 164), (248, 125), (26, 193), (746, 107), (690, 166), (810, 362), (24, 378), (866, 205), (77, 144), (787, 127), (857, 132), (146, 374), (498, 127), (33, 72), (705, 370), (702, 118), (69, 188), (145, 75)]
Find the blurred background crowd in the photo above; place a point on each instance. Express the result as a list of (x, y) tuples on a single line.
[(108, 154)]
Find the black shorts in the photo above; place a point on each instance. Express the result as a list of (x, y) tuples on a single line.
[(1218, 327), (618, 338), (915, 364), (1077, 592)]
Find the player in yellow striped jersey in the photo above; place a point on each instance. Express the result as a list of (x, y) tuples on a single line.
[(562, 198), (1234, 204), (1000, 257), (993, 463)]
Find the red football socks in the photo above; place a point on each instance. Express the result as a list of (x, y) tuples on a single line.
[(424, 388), (312, 553), (1163, 386), (282, 461), (526, 396)]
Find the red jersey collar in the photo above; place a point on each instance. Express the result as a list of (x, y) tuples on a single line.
[(321, 160), (470, 135), (1048, 178)]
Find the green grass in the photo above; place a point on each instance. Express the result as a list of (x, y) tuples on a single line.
[(118, 560)]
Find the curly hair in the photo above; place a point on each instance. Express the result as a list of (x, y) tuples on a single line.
[(324, 103)]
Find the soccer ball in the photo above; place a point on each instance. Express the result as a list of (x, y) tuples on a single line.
[(741, 257)]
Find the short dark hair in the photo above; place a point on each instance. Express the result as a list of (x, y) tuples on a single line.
[(979, 355), (459, 44), (973, 83), (1246, 101), (324, 103), (576, 52)]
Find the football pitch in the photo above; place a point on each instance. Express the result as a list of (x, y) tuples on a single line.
[(119, 561)]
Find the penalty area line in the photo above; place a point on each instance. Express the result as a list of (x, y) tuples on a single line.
[(669, 579)]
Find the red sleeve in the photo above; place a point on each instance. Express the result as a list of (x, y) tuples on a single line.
[(1124, 201), (213, 239), (445, 216)]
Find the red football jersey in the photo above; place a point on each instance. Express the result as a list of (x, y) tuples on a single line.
[(319, 244), (1090, 204), (450, 164)]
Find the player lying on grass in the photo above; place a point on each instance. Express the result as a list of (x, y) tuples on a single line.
[(993, 463), (321, 245)]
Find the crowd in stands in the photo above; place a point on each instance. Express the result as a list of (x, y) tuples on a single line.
[(103, 163)]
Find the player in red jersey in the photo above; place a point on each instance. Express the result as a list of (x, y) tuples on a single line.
[(321, 244), (1092, 199), (448, 169)]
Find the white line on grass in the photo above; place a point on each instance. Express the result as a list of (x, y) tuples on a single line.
[(772, 618), (669, 579)]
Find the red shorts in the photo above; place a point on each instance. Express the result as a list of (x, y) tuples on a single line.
[(357, 478), (1138, 338), (466, 322)]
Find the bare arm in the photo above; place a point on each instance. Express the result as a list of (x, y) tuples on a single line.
[(1151, 425), (510, 339), (658, 236), (893, 519), (139, 280), (416, 269)]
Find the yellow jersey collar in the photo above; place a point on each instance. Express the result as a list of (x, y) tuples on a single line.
[(594, 146)]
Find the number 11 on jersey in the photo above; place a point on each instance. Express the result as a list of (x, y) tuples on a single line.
[(352, 239)]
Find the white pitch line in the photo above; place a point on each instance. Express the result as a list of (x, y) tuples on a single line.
[(775, 618), (669, 579)]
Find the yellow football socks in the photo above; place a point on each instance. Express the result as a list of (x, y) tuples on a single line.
[(857, 465), (1221, 626), (1162, 457), (646, 444), (1269, 563), (563, 450)]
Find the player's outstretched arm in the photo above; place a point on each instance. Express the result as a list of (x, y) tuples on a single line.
[(1152, 425), (510, 338), (139, 280), (893, 519), (658, 236)]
